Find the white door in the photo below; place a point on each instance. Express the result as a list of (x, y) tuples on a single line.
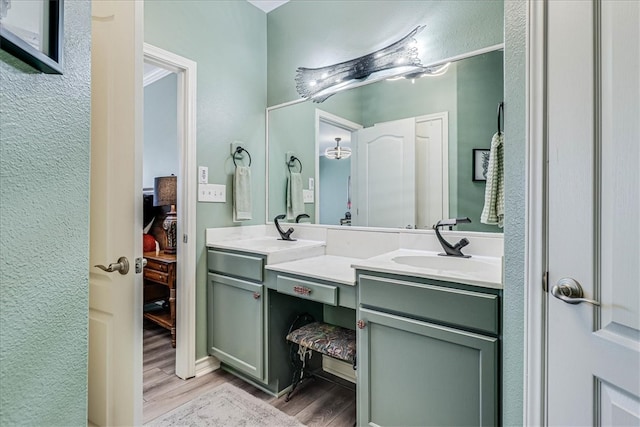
[(385, 170), (115, 300), (594, 215), (432, 169)]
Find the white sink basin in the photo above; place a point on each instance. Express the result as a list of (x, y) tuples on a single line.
[(275, 249), (447, 263)]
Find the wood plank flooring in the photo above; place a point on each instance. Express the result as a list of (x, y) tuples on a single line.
[(316, 403)]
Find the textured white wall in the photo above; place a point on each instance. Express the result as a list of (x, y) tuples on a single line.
[(44, 233)]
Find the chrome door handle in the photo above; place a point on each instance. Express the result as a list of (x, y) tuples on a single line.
[(570, 291), (122, 266)]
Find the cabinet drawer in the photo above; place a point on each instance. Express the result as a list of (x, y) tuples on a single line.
[(245, 266), (472, 310), (156, 276), (158, 266), (325, 294)]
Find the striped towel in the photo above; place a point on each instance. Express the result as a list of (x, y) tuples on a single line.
[(493, 212)]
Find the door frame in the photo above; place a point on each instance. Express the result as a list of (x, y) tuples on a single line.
[(334, 120), (186, 71), (536, 217)]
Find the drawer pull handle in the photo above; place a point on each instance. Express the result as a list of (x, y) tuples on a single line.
[(361, 324), (301, 290), (256, 295)]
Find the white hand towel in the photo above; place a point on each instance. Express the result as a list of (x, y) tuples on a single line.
[(242, 194), (295, 202), (493, 212)]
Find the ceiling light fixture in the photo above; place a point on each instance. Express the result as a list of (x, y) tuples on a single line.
[(399, 58), (337, 152)]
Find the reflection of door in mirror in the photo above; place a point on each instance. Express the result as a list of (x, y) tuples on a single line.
[(402, 173)]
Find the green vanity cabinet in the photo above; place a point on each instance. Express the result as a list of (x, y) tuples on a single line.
[(235, 311), (422, 360), (236, 323)]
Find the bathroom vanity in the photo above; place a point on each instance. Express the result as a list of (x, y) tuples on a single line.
[(428, 327)]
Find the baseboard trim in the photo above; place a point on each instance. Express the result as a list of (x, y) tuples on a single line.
[(206, 365), (339, 368)]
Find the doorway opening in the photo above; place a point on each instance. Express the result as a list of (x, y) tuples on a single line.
[(170, 148)]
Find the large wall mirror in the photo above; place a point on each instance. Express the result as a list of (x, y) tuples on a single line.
[(415, 144)]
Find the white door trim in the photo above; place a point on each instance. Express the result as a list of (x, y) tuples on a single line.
[(535, 352), (186, 71), (340, 122), (444, 116)]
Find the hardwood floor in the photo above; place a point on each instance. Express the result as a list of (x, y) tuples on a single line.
[(315, 403)]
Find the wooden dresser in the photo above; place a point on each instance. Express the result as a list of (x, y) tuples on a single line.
[(160, 286)]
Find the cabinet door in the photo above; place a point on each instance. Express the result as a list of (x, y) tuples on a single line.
[(413, 373), (235, 323)]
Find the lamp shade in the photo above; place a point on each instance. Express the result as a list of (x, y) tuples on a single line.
[(164, 190)]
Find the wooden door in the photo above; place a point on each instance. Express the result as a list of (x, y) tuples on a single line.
[(115, 300), (593, 115), (385, 170)]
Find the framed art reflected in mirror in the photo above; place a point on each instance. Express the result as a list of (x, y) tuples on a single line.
[(480, 164), (32, 31)]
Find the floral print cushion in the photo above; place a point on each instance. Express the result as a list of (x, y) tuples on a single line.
[(332, 340)]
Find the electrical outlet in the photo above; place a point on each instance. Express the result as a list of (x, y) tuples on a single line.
[(216, 193), (203, 174), (307, 196)]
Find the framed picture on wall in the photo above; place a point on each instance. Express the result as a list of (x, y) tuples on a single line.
[(32, 32), (480, 164)]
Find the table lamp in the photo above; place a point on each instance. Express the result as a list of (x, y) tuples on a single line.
[(164, 193)]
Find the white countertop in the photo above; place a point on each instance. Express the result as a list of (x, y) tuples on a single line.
[(477, 270), (325, 267), (276, 250)]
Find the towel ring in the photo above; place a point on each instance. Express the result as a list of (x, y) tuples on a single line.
[(291, 164), (239, 150), (500, 114)]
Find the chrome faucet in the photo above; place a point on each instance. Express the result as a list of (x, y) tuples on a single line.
[(284, 235), (449, 249), (303, 215)]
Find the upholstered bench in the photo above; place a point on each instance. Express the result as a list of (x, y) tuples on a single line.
[(330, 340)]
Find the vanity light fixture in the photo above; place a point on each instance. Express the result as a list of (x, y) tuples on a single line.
[(337, 152), (433, 71), (399, 58)]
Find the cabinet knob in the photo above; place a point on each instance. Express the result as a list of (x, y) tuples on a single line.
[(361, 324), (256, 295)]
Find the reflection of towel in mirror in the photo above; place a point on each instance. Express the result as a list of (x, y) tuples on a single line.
[(242, 194), (493, 212), (295, 203)]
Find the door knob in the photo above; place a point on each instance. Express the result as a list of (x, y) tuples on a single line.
[(570, 291), (122, 266)]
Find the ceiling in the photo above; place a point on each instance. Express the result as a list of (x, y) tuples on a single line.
[(267, 5)]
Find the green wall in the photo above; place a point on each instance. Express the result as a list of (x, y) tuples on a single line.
[(160, 130), (515, 156), (44, 233), (318, 33), (227, 39)]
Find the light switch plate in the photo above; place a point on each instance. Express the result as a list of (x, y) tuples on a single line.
[(203, 174), (216, 193), (307, 196), (312, 184)]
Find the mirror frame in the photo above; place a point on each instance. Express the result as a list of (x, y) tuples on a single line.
[(477, 52)]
